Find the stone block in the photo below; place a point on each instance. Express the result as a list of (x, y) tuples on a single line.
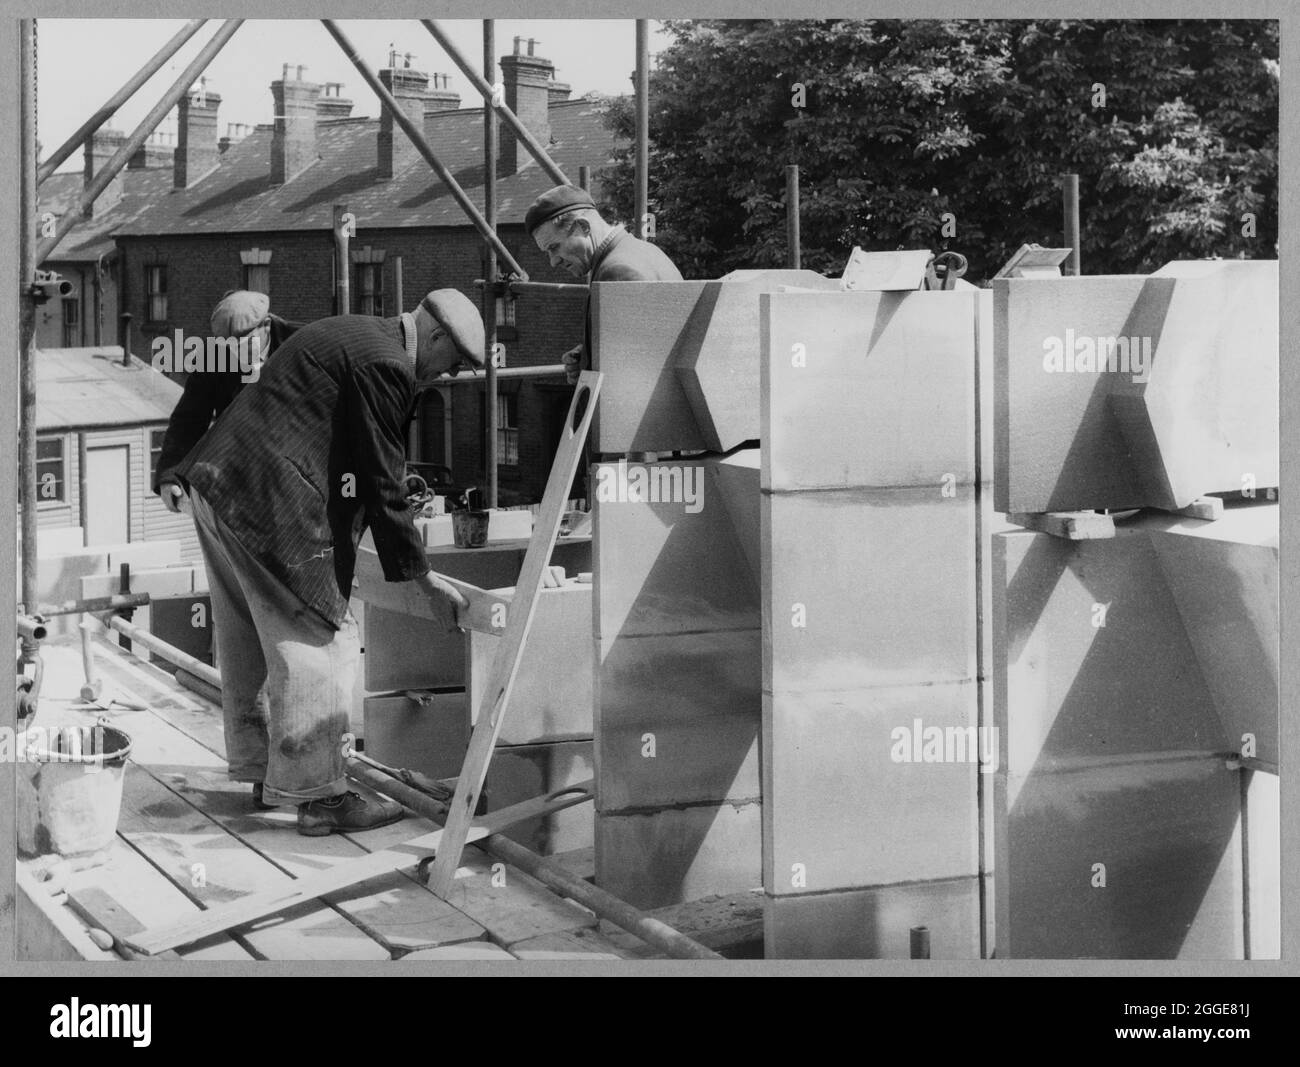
[(431, 739)]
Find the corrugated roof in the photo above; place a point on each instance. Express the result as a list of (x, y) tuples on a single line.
[(238, 195), (88, 387), (91, 238)]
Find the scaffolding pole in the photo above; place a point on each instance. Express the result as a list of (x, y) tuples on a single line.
[(27, 318), (491, 102), (128, 90), (642, 128), (422, 146), (138, 137), (489, 259)]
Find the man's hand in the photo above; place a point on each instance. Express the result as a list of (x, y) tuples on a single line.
[(444, 597), (572, 360), (172, 494)]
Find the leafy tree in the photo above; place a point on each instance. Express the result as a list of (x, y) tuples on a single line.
[(1171, 125)]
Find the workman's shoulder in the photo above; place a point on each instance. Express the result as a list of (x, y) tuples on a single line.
[(634, 260)]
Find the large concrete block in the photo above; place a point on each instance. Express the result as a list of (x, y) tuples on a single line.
[(667, 565), (875, 923), (680, 360), (1263, 843), (677, 719), (1121, 859), (737, 480), (407, 652), (184, 622), (1224, 579), (1091, 658), (868, 588), (142, 554), (521, 772), (552, 695), (431, 738), (889, 376), (1184, 421), (666, 857), (871, 786)]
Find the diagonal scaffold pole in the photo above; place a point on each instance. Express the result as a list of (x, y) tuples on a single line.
[(138, 136), (87, 128), (422, 145), (492, 102)]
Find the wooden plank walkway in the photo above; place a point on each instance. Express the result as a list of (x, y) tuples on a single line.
[(189, 839)]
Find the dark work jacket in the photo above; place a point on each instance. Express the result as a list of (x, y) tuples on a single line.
[(299, 466), (207, 394), (624, 258)]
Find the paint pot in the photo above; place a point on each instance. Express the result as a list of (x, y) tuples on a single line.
[(70, 789), (469, 529)]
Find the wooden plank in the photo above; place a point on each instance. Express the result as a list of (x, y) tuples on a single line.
[(128, 876), (1070, 525), (395, 909), (496, 698), (569, 945), (211, 866), (107, 916), (46, 931), (255, 906)]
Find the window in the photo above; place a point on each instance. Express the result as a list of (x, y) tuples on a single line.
[(155, 285), (370, 289), (155, 452), (505, 311), (257, 270), (71, 323), (51, 484), (368, 281), (508, 429)]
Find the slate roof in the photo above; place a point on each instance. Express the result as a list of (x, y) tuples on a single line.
[(238, 197), (91, 238), (80, 388)]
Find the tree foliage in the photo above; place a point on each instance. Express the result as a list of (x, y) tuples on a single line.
[(1171, 126)]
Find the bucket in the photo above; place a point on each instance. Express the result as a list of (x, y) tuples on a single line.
[(70, 789), (469, 529)]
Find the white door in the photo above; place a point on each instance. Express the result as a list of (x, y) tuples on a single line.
[(108, 517)]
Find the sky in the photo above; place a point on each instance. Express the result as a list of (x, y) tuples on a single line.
[(81, 62)]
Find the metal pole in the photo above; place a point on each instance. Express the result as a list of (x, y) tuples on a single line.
[(170, 653), (1070, 193), (87, 128), (490, 130), (550, 370), (422, 145), (27, 261), (584, 177), (792, 217), (642, 127), (343, 273), (482, 84), (138, 137), (919, 942)]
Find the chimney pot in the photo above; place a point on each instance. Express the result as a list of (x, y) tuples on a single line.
[(518, 40)]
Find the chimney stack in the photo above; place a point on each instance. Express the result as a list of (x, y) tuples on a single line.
[(332, 104), (293, 141), (440, 97), (196, 142), (528, 80), (408, 86), (98, 151)]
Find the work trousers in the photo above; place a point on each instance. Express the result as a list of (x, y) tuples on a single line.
[(286, 674)]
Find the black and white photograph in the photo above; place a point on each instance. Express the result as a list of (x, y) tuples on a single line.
[(648, 495)]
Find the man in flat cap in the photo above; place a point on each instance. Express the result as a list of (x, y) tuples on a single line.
[(241, 315), (567, 227), (283, 487)]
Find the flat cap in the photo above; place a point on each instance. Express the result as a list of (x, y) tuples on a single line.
[(556, 202), (239, 312), (456, 314)]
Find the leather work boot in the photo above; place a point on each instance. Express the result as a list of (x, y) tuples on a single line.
[(346, 813)]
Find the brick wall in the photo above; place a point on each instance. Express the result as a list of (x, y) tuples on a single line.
[(201, 268)]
